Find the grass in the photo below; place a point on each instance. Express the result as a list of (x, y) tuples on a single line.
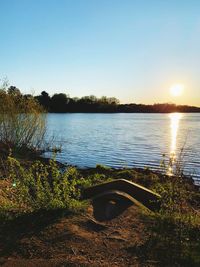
[(30, 187), (32, 190)]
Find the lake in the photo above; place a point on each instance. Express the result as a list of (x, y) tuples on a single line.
[(126, 140)]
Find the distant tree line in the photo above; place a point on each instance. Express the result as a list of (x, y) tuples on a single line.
[(156, 108), (63, 103)]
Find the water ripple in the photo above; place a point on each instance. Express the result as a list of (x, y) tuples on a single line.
[(134, 140)]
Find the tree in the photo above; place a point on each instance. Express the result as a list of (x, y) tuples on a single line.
[(44, 99), (59, 103)]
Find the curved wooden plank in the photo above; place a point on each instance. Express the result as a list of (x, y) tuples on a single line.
[(117, 195), (145, 196)]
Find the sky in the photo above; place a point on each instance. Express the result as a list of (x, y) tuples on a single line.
[(133, 50)]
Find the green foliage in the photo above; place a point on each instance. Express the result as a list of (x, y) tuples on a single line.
[(103, 169), (177, 191), (174, 229), (41, 187), (174, 234), (172, 241)]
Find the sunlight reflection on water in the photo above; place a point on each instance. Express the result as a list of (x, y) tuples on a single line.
[(175, 118)]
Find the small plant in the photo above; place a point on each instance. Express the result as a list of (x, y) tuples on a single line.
[(103, 169)]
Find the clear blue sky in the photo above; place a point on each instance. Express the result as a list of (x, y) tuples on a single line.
[(133, 50)]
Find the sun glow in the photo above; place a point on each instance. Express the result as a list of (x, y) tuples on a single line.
[(176, 90)]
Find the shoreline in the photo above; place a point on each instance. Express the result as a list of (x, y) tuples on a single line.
[(144, 170)]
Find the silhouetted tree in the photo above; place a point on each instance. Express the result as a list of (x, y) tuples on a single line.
[(44, 99), (59, 103)]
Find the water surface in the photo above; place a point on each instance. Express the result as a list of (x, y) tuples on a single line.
[(132, 140)]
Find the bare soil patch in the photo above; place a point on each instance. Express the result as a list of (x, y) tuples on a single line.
[(78, 241)]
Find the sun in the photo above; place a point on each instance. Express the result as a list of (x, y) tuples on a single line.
[(177, 89)]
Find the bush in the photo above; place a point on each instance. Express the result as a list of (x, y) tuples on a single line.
[(39, 187), (22, 120)]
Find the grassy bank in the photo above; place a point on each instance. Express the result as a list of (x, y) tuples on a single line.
[(29, 185), (32, 190)]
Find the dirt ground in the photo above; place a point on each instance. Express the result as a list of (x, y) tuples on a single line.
[(103, 236)]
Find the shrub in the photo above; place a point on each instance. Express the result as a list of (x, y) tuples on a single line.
[(40, 187), (22, 120), (36, 186)]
